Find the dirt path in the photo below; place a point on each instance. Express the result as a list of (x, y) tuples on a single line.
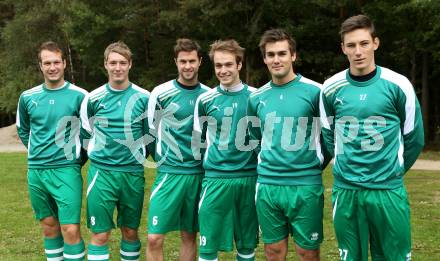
[(9, 142)]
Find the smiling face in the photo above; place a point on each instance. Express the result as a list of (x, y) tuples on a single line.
[(279, 59), (226, 68), (52, 66), (359, 47), (117, 67), (188, 64)]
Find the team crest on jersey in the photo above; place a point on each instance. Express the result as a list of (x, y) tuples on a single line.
[(339, 100)]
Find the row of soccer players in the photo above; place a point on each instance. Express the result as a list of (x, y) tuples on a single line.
[(231, 192)]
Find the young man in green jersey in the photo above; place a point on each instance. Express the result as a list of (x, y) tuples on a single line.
[(175, 192), (227, 211), (114, 116), (289, 194), (372, 124), (48, 125)]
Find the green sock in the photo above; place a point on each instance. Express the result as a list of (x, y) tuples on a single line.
[(53, 247), (245, 254), (130, 250), (208, 257), (98, 252), (74, 252)]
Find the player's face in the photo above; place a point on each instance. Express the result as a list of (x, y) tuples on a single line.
[(188, 64), (226, 68), (359, 47), (117, 67), (52, 66), (279, 59)]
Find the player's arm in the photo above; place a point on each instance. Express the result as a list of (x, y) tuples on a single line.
[(86, 127), (23, 122), (326, 116), (411, 124), (149, 139), (254, 124), (200, 128), (152, 122)]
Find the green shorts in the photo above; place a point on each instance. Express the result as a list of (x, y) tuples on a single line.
[(109, 189), (56, 192), (173, 203), (379, 216), (227, 213), (295, 210)]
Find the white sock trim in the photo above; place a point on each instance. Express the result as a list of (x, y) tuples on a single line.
[(129, 253), (74, 256), (55, 258), (246, 256), (54, 251), (98, 257)]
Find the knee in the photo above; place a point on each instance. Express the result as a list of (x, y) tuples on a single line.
[(155, 241), (188, 238), (100, 239), (275, 251), (308, 255), (129, 234), (50, 227), (71, 233)]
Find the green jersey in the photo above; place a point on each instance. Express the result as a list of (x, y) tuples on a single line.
[(291, 151), (171, 118), (223, 115), (115, 122), (48, 125), (373, 128)]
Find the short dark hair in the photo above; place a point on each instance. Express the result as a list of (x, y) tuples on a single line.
[(187, 45), (357, 22), (230, 46), (275, 35), (52, 47)]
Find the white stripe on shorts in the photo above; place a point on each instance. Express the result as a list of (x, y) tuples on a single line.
[(158, 186), (335, 206), (92, 183), (202, 198)]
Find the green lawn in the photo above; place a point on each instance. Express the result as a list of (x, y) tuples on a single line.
[(20, 234)]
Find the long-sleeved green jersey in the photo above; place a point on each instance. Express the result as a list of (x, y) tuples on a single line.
[(373, 128), (116, 123), (48, 124), (171, 119), (291, 151), (223, 115)]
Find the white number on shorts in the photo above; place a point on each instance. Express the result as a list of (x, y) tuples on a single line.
[(202, 240), (343, 254), (92, 220), (155, 221)]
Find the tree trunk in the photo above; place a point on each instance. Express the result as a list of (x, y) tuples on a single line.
[(425, 96), (413, 69)]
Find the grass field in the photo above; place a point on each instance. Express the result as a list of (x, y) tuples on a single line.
[(20, 237)]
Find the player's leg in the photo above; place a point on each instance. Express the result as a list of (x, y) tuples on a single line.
[(305, 212), (348, 230), (46, 211), (273, 223), (245, 221), (102, 196), (215, 217), (66, 189), (129, 214), (390, 229), (189, 225)]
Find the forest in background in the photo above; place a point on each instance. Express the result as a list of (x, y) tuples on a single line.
[(409, 32)]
